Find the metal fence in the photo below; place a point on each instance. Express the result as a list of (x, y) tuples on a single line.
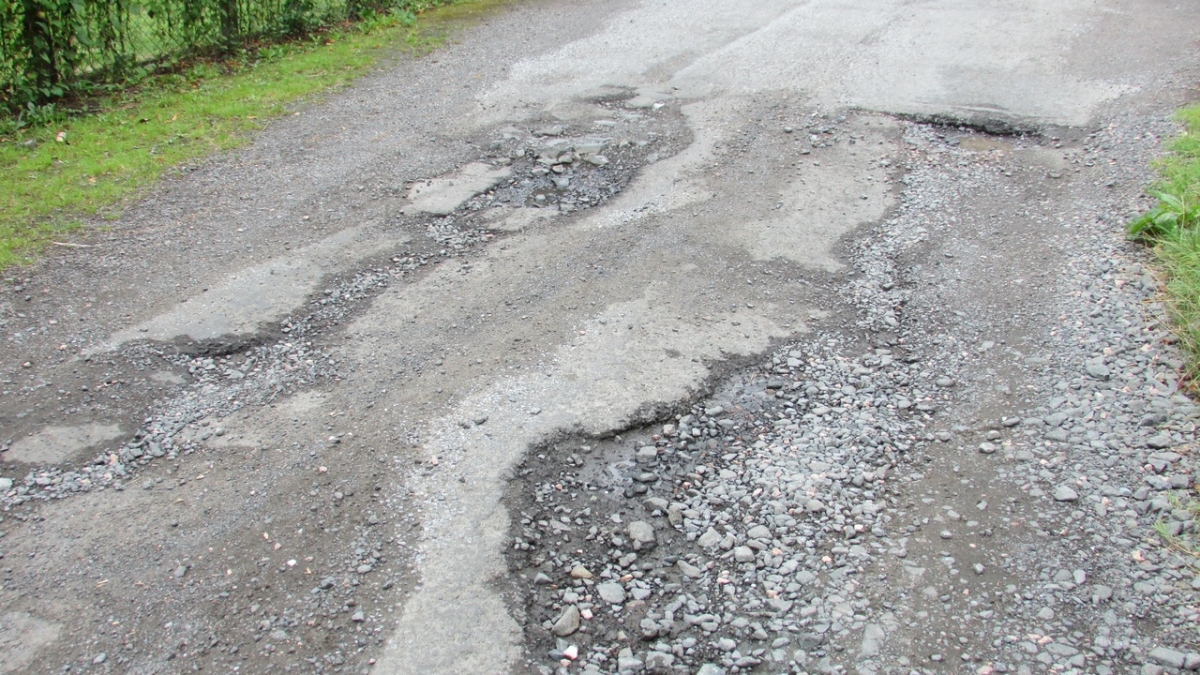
[(47, 47)]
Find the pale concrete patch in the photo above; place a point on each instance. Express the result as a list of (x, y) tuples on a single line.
[(846, 188), (968, 59), (53, 445), (304, 402), (21, 636), (167, 377), (520, 219), (440, 196), (248, 299)]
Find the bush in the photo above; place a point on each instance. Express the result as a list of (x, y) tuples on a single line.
[(52, 48)]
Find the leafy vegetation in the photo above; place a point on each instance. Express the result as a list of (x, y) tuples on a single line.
[(50, 49), (1172, 229), (59, 168)]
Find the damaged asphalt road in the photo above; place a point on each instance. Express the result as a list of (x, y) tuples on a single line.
[(629, 337)]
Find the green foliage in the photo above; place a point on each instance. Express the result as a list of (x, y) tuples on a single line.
[(1169, 217), (1172, 228), (1178, 187), (32, 115), (1179, 253), (55, 48)]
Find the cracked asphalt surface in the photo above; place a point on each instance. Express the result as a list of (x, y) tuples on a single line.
[(307, 406)]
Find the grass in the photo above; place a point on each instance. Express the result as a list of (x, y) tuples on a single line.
[(1172, 229), (65, 170), (1181, 535)]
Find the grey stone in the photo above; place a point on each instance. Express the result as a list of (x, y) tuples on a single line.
[(675, 515), (1159, 441), (641, 534), (872, 640), (659, 662), (810, 641), (628, 663), (759, 532), (655, 504), (611, 592), (1060, 649), (1168, 657), (1058, 435), (710, 539), (1064, 493), (689, 570), (567, 622)]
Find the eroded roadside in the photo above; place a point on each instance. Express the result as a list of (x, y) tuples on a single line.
[(969, 479)]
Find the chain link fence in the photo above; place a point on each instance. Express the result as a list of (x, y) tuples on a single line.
[(48, 47)]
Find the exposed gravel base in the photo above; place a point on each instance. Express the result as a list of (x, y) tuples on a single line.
[(555, 169), (966, 485)]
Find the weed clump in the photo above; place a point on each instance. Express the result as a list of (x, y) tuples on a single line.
[(1172, 229)]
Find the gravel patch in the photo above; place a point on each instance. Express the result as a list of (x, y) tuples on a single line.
[(986, 480)]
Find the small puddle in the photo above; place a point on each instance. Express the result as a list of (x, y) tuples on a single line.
[(983, 144)]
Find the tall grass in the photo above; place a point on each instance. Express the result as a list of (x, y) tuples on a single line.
[(1172, 229)]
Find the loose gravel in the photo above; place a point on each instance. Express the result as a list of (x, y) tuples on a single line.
[(933, 492)]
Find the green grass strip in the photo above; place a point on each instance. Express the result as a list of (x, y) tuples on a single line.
[(1177, 243), (54, 176)]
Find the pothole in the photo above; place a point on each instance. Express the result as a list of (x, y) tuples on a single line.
[(227, 373)]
